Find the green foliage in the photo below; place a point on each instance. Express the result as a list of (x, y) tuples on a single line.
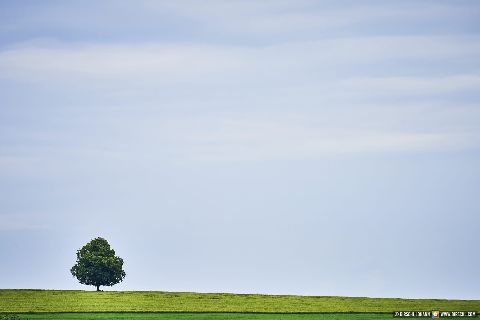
[(22, 301), (97, 265)]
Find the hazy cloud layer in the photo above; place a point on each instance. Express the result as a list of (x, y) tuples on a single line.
[(306, 147)]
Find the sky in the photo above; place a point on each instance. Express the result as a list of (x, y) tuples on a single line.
[(276, 146)]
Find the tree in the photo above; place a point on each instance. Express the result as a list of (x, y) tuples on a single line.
[(97, 265)]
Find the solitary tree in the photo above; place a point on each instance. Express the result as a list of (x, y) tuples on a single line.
[(97, 265)]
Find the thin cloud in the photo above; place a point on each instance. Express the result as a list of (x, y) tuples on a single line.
[(12, 222), (252, 141), (113, 61), (289, 18), (171, 63), (394, 86)]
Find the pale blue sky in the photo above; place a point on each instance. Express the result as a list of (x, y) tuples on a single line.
[(287, 147)]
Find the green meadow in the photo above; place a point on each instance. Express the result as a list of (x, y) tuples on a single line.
[(203, 316), (58, 304)]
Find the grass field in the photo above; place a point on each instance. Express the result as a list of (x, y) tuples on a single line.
[(26, 301), (202, 316)]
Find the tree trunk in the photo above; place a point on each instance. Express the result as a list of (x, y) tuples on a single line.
[(98, 288)]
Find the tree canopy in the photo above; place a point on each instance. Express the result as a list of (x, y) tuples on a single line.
[(97, 265)]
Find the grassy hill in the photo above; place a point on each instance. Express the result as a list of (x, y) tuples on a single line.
[(55, 301)]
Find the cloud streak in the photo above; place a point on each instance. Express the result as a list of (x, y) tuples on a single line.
[(176, 61), (15, 222)]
